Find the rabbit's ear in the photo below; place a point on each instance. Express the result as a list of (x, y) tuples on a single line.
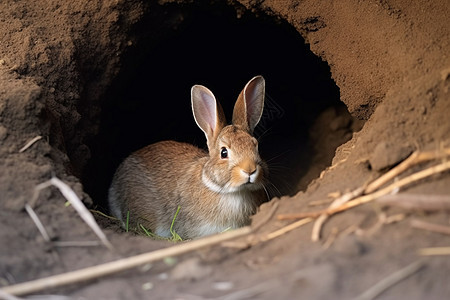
[(249, 105), (208, 113)]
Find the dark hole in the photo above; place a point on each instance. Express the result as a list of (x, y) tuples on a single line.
[(222, 48)]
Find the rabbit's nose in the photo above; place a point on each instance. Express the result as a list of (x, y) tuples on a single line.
[(251, 172), (248, 167)]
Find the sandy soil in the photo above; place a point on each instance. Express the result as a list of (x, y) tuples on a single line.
[(390, 62)]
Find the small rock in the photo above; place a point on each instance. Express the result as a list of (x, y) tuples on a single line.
[(386, 155)]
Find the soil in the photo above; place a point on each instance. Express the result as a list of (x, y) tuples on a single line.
[(66, 68)]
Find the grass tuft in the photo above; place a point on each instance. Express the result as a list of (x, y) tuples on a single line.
[(174, 238)]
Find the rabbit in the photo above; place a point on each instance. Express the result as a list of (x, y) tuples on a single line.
[(215, 190)]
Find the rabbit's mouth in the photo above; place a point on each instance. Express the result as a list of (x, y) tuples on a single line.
[(252, 179), (251, 185), (249, 182)]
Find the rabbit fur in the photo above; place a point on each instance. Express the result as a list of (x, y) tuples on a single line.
[(215, 190)]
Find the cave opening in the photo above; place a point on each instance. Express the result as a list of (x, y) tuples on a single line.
[(220, 46)]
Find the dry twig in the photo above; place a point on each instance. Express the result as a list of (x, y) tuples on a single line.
[(430, 226), (286, 229), (434, 251), (315, 236), (131, 262), (253, 240), (394, 186), (70, 195), (353, 198), (30, 143), (417, 201), (414, 159), (390, 281), (120, 265), (37, 222)]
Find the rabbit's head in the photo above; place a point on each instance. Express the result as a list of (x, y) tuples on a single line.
[(234, 163)]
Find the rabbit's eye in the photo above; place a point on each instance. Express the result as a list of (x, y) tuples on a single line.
[(224, 153)]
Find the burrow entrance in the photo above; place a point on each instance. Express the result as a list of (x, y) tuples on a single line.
[(220, 46)]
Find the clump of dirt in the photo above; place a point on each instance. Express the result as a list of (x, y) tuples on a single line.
[(76, 74)]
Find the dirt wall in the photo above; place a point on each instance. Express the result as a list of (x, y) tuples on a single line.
[(373, 46)]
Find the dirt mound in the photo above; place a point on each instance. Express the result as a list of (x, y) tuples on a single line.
[(353, 88)]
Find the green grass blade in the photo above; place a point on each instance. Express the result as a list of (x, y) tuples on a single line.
[(128, 221), (175, 236), (145, 230)]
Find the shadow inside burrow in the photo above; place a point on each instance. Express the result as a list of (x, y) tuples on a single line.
[(220, 46)]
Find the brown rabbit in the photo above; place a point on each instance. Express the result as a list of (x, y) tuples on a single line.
[(214, 191)]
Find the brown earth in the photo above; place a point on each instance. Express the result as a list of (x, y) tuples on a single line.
[(69, 72)]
